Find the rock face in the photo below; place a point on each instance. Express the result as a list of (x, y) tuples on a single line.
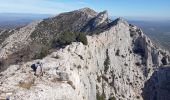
[(119, 62), (100, 20), (158, 86)]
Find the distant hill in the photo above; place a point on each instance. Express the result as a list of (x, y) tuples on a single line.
[(13, 20)]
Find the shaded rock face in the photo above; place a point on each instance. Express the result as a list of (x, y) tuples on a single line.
[(158, 86), (117, 63), (100, 20)]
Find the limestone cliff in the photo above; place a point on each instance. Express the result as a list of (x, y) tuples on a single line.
[(116, 64)]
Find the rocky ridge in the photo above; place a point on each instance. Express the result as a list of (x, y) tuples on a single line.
[(118, 62)]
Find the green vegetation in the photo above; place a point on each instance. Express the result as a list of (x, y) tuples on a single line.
[(99, 79), (65, 39), (55, 40), (105, 78), (100, 97), (112, 98), (106, 62), (82, 38), (43, 53), (68, 37)]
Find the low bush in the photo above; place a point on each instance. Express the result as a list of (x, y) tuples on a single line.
[(105, 78), (82, 38), (137, 64), (117, 53), (100, 97), (99, 79), (43, 53), (106, 62), (112, 98), (67, 37)]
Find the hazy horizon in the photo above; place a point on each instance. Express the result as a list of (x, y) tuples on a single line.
[(137, 9), (34, 15)]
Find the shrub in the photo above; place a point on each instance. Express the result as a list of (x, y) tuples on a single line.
[(82, 38), (112, 98), (117, 53), (100, 97), (125, 64), (99, 79), (1, 65), (137, 64), (81, 57), (105, 78), (43, 53), (106, 62), (137, 97), (122, 56), (79, 67), (68, 37)]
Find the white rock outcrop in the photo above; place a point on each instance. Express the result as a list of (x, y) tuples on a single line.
[(115, 64)]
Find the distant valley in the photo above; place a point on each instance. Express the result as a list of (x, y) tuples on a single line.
[(13, 20), (158, 31)]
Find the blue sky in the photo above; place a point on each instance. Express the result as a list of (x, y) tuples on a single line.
[(145, 9)]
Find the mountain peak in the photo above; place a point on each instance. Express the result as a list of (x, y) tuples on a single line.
[(101, 18), (88, 11), (75, 66), (121, 20)]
